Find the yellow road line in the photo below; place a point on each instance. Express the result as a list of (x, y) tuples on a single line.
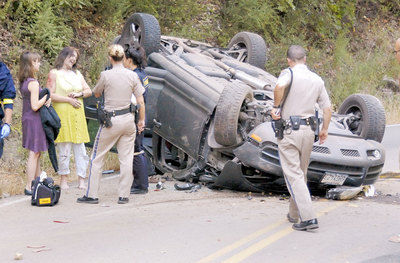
[(258, 246), (271, 239), (240, 242), (389, 175)]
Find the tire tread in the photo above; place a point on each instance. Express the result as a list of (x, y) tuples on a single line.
[(227, 114), (375, 120)]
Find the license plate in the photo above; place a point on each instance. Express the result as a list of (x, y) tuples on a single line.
[(334, 178)]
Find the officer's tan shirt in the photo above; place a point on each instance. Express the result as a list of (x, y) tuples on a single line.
[(118, 85), (307, 90)]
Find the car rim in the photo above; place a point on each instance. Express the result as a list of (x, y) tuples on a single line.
[(244, 125), (356, 121), (238, 51), (136, 32)]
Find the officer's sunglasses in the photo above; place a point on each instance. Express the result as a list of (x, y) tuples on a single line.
[(395, 51)]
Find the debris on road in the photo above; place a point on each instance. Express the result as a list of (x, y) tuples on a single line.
[(18, 256), (159, 178), (249, 197), (343, 192), (208, 177), (60, 222), (194, 189), (395, 239), (36, 246), (40, 250), (184, 186), (369, 190), (283, 197), (160, 186)]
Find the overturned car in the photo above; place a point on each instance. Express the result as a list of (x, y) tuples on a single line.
[(207, 116)]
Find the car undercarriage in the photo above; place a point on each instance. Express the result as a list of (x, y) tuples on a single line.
[(207, 116)]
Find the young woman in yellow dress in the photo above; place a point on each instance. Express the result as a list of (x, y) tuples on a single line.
[(68, 88)]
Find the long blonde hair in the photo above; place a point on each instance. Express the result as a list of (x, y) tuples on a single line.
[(26, 69)]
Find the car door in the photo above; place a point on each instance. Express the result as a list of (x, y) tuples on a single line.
[(184, 106)]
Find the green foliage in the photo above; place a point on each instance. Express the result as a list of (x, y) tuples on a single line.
[(263, 17), (313, 20), (185, 18), (111, 12), (39, 23), (391, 6), (94, 63), (49, 31), (350, 73)]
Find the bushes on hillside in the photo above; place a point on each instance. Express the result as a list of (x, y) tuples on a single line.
[(314, 20)]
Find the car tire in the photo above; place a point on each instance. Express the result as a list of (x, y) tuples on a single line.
[(226, 119), (372, 113), (256, 50), (142, 28)]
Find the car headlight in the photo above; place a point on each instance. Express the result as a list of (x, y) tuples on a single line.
[(374, 154)]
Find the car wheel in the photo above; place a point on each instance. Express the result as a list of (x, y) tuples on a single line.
[(227, 124), (169, 158), (368, 116), (142, 28), (248, 47)]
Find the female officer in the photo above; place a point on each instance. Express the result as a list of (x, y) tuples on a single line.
[(135, 59), (117, 85)]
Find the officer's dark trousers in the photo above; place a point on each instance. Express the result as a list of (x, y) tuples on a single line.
[(141, 179)]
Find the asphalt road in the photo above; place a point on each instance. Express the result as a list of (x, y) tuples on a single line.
[(391, 142), (204, 226)]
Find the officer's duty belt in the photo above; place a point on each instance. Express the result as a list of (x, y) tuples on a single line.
[(307, 121), (296, 121), (119, 112)]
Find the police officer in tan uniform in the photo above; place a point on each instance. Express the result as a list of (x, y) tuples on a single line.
[(117, 84), (307, 89)]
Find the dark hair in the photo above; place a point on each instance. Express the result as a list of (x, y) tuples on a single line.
[(66, 52), (26, 69), (137, 54)]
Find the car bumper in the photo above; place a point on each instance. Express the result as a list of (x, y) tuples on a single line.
[(339, 155)]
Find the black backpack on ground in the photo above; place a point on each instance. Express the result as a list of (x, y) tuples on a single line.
[(45, 193)]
